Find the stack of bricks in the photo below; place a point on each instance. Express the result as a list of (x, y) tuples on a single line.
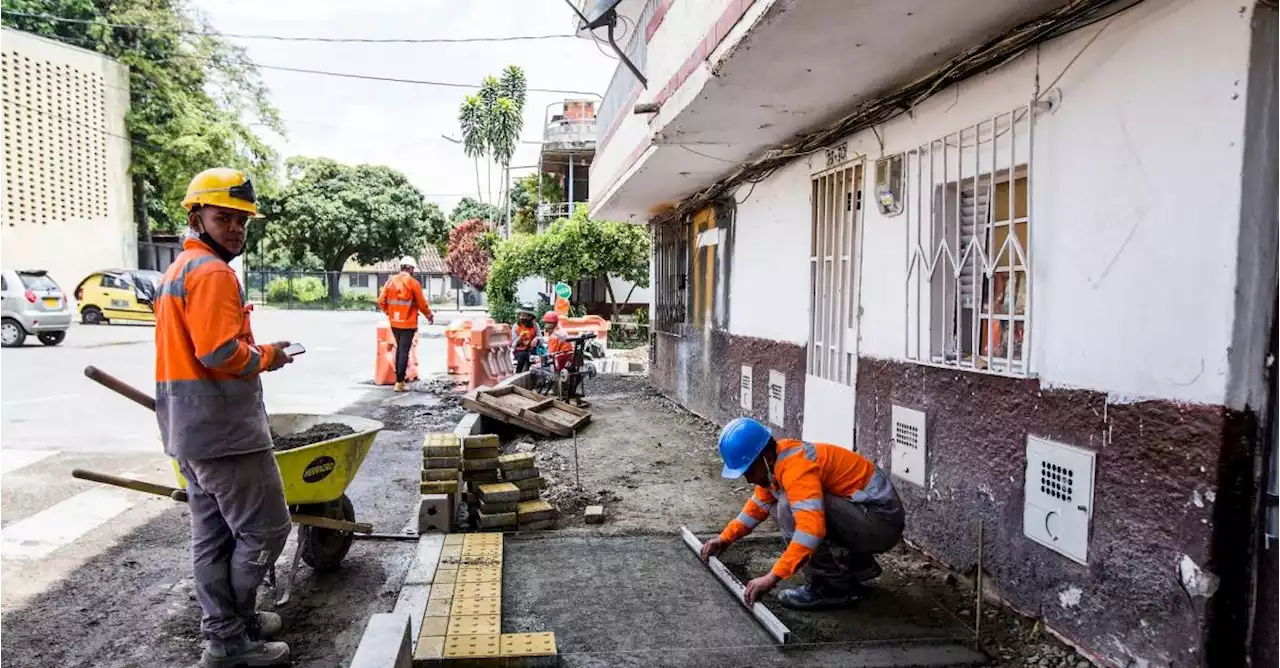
[(440, 462), (519, 470), (463, 620), (480, 472)]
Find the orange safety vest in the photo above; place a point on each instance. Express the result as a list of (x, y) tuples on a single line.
[(558, 349), (208, 394), (803, 475), (525, 336), (402, 300)]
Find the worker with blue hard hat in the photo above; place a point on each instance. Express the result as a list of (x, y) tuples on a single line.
[(835, 507)]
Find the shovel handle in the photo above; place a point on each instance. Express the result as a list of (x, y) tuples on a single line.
[(120, 387)]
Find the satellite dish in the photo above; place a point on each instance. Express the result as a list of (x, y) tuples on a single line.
[(602, 14)]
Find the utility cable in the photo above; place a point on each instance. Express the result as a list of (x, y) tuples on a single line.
[(292, 38)]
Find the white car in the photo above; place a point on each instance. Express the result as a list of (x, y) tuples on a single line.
[(32, 304)]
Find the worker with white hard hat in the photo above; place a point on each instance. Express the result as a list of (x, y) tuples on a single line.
[(402, 300)]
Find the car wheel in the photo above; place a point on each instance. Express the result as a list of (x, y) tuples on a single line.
[(51, 338), (91, 315), (12, 334)]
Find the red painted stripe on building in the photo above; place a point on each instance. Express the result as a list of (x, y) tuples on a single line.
[(659, 13)]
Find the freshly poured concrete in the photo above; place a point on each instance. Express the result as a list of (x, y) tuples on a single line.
[(648, 601)]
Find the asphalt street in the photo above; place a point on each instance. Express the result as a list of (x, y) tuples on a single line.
[(98, 576)]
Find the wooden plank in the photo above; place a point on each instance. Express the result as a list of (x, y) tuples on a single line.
[(470, 402), (568, 408), (540, 405), (512, 416), (501, 390), (776, 628), (520, 406)]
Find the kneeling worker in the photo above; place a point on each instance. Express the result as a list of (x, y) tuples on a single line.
[(213, 422), (834, 506)]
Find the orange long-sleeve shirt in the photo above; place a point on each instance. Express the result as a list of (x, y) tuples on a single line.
[(804, 474), (208, 394), (402, 300)]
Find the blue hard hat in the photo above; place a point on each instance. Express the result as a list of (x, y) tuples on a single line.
[(741, 441)]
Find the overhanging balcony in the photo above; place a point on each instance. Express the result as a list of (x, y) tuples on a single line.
[(733, 78)]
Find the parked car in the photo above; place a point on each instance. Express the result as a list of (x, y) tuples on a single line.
[(32, 304), (118, 294)]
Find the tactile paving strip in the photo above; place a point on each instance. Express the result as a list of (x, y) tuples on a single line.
[(476, 606), (474, 625), (477, 590), (472, 647), (471, 574), (528, 644)]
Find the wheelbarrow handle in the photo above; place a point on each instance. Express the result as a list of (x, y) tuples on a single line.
[(178, 494), (119, 386)]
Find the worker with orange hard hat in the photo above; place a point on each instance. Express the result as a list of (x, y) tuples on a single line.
[(836, 508), (213, 422), (558, 347), (402, 300)]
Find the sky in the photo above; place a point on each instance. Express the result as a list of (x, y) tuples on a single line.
[(397, 124)]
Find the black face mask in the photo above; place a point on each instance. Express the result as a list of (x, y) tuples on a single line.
[(218, 248)]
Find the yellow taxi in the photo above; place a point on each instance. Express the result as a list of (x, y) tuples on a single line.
[(117, 294)]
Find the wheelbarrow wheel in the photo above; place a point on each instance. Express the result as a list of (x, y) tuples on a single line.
[(324, 549)]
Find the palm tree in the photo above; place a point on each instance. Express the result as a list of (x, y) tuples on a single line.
[(471, 119)]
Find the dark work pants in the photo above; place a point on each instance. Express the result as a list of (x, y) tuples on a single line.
[(404, 344), (855, 533), (522, 360), (239, 524)]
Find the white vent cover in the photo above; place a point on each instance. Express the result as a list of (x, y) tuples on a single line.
[(1058, 497), (744, 398), (909, 452), (777, 397)]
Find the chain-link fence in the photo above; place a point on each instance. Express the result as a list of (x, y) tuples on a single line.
[(353, 290)]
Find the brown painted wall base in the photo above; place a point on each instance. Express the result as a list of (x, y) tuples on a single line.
[(702, 371), (1156, 498)]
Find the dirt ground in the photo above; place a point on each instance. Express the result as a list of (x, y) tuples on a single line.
[(654, 467)]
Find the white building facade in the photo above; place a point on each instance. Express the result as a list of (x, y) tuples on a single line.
[(68, 203), (1042, 294)]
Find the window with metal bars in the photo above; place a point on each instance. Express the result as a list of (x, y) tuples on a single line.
[(670, 277), (969, 257), (835, 206)]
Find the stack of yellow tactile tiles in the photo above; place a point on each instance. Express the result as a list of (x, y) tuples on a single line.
[(463, 621)]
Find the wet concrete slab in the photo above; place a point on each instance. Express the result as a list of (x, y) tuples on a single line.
[(648, 601)]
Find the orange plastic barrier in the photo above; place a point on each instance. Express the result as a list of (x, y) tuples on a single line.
[(590, 323), (491, 355), (384, 363), (457, 341)]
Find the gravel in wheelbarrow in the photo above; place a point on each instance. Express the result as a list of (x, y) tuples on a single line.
[(321, 432)]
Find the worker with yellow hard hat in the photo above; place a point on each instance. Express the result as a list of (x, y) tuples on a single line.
[(213, 422)]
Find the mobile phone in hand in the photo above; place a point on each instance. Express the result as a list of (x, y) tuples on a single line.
[(294, 349)]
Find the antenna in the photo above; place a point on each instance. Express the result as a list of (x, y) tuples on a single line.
[(605, 14)]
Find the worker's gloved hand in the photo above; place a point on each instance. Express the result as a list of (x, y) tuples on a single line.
[(713, 548), (280, 358), (431, 320), (759, 587)]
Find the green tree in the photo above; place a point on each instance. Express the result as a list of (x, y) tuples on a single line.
[(436, 227), (193, 97), (524, 201), (572, 249), (469, 209), (338, 212)]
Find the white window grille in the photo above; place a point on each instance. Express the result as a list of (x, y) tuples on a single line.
[(969, 247), (835, 207), (670, 277)]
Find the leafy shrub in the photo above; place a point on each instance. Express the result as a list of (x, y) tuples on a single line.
[(304, 289)]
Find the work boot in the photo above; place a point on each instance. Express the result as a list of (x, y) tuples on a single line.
[(244, 654), (807, 597), (399, 387), (867, 573), (263, 626)]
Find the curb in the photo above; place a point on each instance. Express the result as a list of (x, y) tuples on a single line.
[(385, 643)]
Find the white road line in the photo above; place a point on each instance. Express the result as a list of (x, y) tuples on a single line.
[(37, 400), (12, 460), (41, 534)]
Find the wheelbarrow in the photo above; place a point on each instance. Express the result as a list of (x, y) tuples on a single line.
[(315, 482)]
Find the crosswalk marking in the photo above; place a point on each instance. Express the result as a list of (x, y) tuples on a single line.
[(41, 534), (12, 460)]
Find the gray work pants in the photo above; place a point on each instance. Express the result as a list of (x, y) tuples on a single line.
[(855, 533), (239, 523)]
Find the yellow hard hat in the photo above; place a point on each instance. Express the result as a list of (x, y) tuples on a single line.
[(224, 187)]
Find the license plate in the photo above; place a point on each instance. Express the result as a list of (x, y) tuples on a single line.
[(52, 302)]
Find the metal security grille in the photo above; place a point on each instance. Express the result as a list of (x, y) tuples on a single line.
[(969, 246), (671, 271), (1056, 481), (55, 141), (835, 206)]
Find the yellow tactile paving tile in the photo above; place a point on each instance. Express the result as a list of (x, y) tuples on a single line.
[(472, 647), (474, 625), (527, 644), (477, 590), (472, 574), (464, 607)]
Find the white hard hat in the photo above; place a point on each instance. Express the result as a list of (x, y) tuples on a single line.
[(407, 261)]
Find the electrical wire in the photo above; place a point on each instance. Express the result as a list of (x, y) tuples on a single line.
[(292, 38)]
